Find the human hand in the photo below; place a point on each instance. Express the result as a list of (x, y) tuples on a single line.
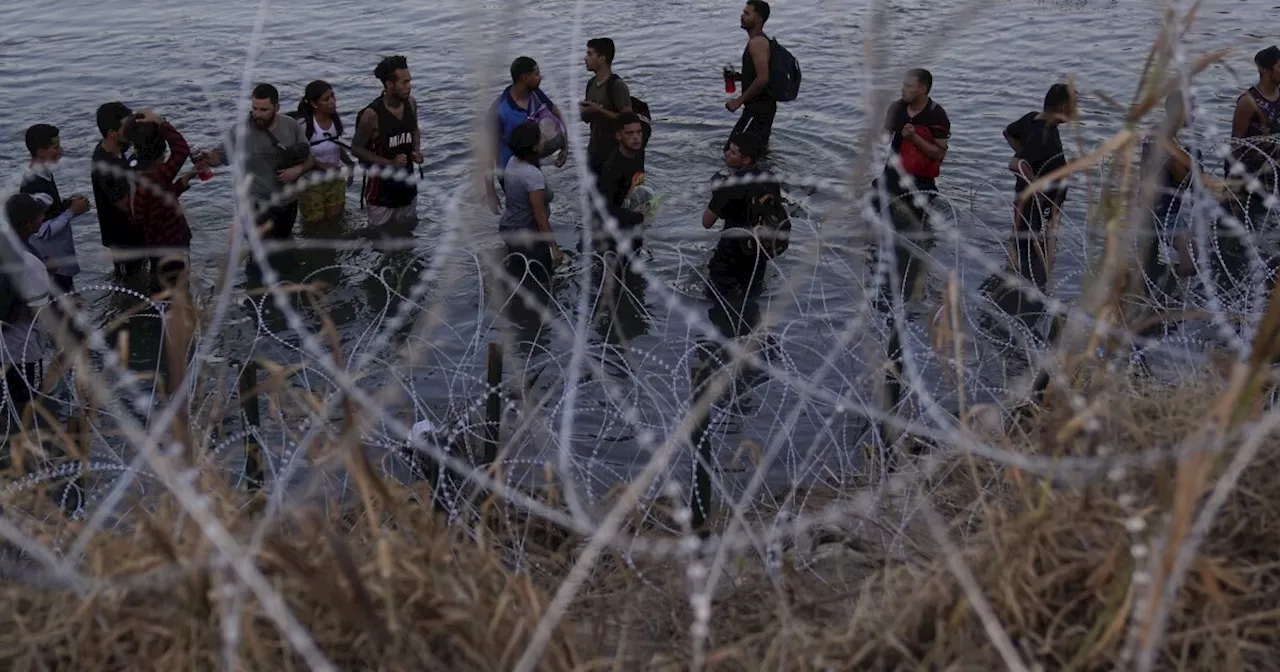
[(78, 205), (733, 104), (557, 257), (491, 200), (351, 177), (908, 131), (562, 157), (289, 174), (148, 116), (400, 161), (208, 157), (417, 157)]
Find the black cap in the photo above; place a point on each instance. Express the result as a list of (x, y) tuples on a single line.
[(1267, 58), (24, 208)]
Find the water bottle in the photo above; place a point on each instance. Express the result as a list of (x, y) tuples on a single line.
[(730, 84)]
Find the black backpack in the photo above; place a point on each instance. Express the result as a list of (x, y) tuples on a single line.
[(640, 108), (784, 73), (770, 225)]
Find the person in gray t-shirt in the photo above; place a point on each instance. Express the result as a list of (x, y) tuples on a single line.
[(526, 225), (269, 140)]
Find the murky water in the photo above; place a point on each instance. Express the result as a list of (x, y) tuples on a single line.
[(992, 61)]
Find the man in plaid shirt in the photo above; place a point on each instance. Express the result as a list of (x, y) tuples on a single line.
[(153, 205)]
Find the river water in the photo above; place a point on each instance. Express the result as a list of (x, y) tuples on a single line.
[(992, 61)]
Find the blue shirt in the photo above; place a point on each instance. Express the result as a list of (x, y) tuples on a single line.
[(508, 116)]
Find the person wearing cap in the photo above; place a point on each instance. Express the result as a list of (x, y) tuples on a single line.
[(54, 242), (26, 282)]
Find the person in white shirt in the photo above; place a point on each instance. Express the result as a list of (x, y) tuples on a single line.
[(318, 118)]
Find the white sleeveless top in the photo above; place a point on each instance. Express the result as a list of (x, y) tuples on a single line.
[(328, 152)]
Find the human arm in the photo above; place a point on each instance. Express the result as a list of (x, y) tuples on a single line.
[(417, 132), (292, 174), (179, 150), (76, 206), (362, 143), (563, 156), (621, 97), (1246, 109), (758, 50)]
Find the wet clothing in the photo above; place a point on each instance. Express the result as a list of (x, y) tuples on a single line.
[(54, 243), (933, 117), (153, 205), (521, 179), (614, 96), (1269, 122), (508, 114), (758, 113), (395, 137), (110, 200), (736, 267), (619, 176)]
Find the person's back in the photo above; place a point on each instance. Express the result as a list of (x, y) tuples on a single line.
[(520, 179)]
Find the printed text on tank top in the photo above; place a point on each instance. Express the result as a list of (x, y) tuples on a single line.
[(394, 137)]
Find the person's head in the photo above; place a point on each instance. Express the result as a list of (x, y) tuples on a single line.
[(525, 74), (44, 144), (744, 151), (1060, 101), (264, 104), (916, 85), (600, 53), (148, 145), (754, 14), (318, 97), (526, 142), (25, 213), (1268, 62), (112, 118), (393, 72), (630, 132)]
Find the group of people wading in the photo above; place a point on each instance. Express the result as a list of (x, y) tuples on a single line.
[(298, 165)]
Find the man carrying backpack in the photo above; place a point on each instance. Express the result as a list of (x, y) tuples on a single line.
[(607, 98), (757, 101)]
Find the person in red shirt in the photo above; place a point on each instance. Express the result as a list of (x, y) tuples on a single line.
[(158, 183)]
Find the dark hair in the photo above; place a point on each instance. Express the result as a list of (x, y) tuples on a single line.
[(40, 136), (110, 115), (307, 107), (267, 92), (749, 145), (386, 69), (923, 76), (626, 119), (1058, 97), (1267, 58), (524, 142), (521, 67), (23, 209), (761, 7), (148, 144), (604, 47)]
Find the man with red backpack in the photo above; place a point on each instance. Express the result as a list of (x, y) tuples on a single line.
[(918, 130)]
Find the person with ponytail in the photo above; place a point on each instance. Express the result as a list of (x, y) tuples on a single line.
[(318, 118)]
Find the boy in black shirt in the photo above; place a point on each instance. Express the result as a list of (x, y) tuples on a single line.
[(622, 174), (1038, 151), (736, 270), (111, 189)]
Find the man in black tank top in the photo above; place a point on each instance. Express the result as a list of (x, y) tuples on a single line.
[(1254, 128), (387, 137), (757, 103)]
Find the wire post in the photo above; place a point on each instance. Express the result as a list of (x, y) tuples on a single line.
[(493, 404), (249, 406)]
